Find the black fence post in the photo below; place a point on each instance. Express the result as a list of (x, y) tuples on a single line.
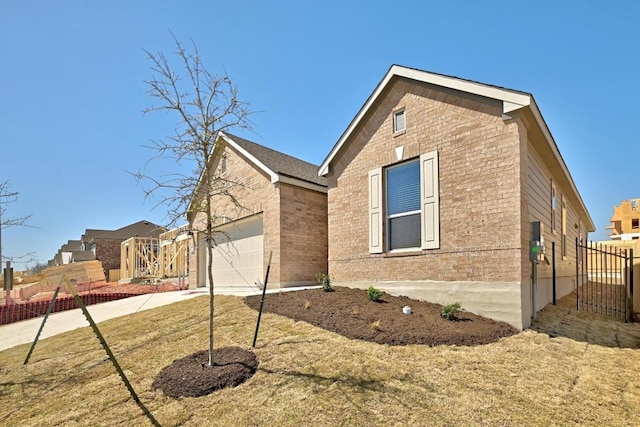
[(578, 278), (553, 269), (631, 266)]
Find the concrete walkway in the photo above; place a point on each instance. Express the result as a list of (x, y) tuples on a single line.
[(25, 331)]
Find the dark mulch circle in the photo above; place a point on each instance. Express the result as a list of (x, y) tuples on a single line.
[(348, 312), (192, 376)]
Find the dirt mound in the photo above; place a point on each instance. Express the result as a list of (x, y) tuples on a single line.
[(192, 376)]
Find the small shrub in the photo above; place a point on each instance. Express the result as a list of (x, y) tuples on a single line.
[(373, 294), (449, 311), (325, 281), (375, 326)]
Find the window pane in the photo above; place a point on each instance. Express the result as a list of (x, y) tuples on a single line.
[(403, 188), (398, 121), (404, 232)]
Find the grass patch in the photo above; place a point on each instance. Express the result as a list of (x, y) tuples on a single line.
[(564, 373)]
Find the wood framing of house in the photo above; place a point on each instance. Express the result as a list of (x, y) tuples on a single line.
[(174, 252), (150, 257), (139, 258)]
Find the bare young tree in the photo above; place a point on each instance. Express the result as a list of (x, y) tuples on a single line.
[(204, 104), (6, 197)]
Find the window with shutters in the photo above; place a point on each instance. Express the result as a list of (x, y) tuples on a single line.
[(403, 205), (409, 218)]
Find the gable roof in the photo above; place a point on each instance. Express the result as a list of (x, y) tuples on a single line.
[(278, 166), (512, 101), (140, 228), (90, 233), (71, 245)]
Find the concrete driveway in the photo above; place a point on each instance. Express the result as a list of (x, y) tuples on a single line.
[(25, 331)]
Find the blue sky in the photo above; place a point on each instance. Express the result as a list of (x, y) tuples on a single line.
[(72, 77)]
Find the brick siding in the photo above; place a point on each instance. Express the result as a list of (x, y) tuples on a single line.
[(108, 252), (480, 189), (294, 221)]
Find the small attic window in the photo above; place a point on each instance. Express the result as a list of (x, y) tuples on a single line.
[(399, 121), (223, 164)]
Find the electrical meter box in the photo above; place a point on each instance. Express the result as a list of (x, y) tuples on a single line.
[(536, 249)]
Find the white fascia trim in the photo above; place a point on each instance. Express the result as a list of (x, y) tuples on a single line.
[(301, 183), (510, 97), (554, 148), (250, 157), (511, 100)]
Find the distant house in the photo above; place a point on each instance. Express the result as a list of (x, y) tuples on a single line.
[(103, 245), (281, 211), (433, 189), (106, 246), (64, 255), (625, 222)]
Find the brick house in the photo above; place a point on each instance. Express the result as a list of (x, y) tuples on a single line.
[(432, 191), (106, 244), (281, 210)]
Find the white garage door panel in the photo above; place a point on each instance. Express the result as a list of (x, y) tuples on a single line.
[(238, 256)]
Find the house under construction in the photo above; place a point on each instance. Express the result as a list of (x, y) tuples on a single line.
[(625, 222), (156, 258)]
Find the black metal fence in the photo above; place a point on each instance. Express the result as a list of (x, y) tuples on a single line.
[(604, 279)]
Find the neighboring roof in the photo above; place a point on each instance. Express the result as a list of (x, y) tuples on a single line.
[(279, 166), (90, 233), (71, 245), (78, 256), (512, 101), (140, 228)]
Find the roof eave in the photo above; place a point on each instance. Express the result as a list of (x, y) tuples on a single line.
[(300, 183), (272, 174), (535, 111)]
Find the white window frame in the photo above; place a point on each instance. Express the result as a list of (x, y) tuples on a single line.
[(388, 218), (397, 113)]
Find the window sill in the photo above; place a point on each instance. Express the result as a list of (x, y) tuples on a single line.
[(402, 253), (400, 132)]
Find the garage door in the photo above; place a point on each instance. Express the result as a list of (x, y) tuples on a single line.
[(238, 253)]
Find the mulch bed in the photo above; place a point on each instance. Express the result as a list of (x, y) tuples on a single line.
[(347, 312), (192, 376)]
